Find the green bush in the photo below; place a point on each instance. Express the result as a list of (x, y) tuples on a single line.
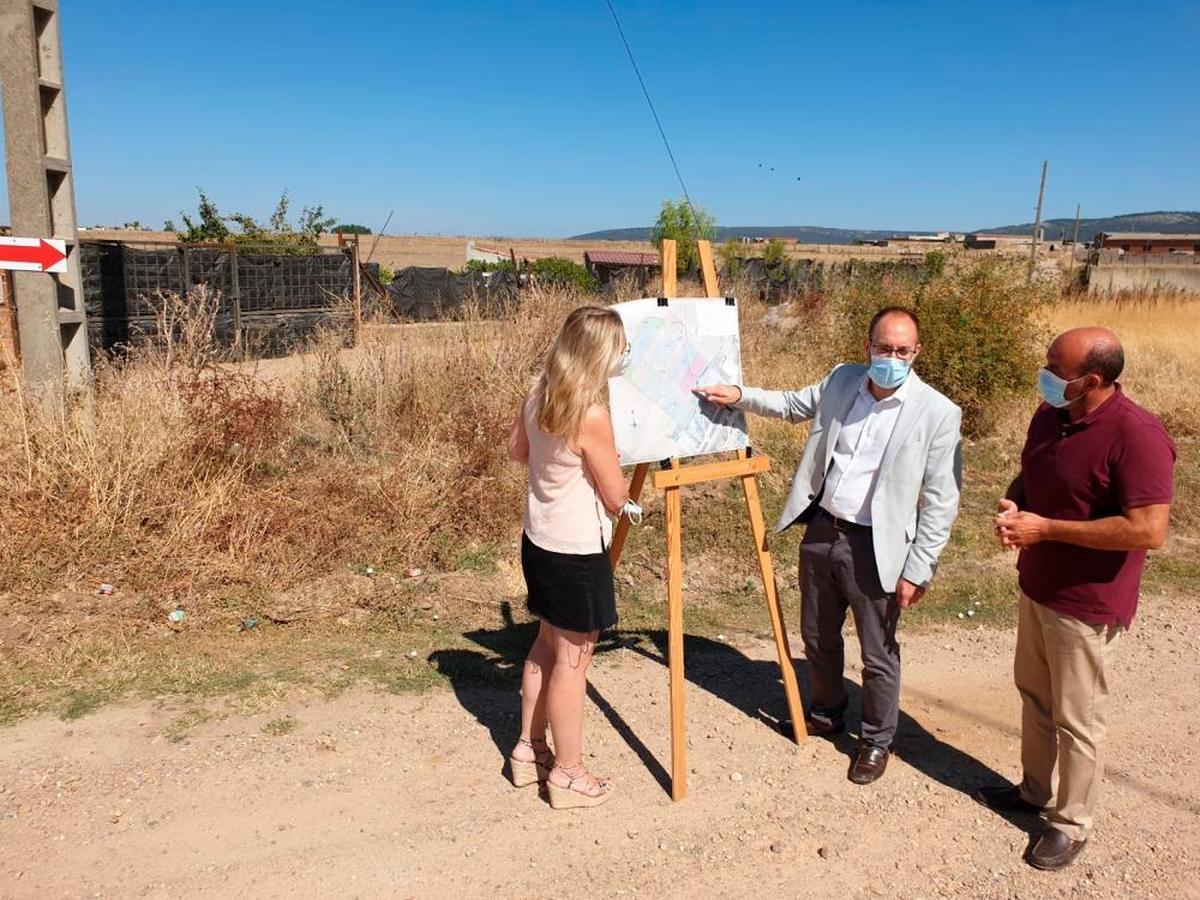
[(775, 261), (351, 229), (386, 275), (480, 265), (563, 272), (278, 233), (733, 256), (981, 331)]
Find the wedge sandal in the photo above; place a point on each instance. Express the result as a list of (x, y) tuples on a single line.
[(536, 771), (570, 797)]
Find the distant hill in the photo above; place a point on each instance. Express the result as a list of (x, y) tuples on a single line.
[(808, 234), (1166, 222)]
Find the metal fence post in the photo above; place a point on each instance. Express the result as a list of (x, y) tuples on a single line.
[(235, 300), (356, 287)]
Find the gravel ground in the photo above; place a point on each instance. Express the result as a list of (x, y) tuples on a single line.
[(372, 794)]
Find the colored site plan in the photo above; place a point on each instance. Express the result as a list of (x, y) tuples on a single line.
[(673, 349)]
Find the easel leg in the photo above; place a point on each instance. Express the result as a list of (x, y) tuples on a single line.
[(674, 512), (622, 530), (790, 687)]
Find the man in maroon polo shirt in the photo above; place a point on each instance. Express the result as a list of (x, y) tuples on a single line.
[(1092, 497)]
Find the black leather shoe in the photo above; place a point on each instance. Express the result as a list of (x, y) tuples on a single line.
[(1054, 851), (870, 764), (1006, 798)]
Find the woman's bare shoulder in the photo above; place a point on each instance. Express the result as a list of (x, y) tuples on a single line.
[(597, 420)]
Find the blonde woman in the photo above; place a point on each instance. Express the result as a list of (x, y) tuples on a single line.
[(564, 433)]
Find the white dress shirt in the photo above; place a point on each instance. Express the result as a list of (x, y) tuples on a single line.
[(854, 469)]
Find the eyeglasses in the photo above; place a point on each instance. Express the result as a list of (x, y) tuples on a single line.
[(898, 352)]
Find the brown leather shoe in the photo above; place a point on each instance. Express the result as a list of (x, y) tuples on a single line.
[(1005, 798), (1054, 851), (870, 764)]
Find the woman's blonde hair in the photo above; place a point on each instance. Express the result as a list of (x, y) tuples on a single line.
[(581, 360)]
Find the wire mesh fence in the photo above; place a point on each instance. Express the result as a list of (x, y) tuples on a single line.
[(423, 294), (268, 301)]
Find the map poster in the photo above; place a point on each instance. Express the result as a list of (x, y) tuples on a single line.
[(674, 346)]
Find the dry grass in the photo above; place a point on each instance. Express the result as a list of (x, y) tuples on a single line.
[(187, 476)]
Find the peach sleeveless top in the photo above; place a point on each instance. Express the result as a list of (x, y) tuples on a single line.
[(563, 514)]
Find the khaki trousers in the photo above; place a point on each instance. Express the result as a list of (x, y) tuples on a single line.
[(1061, 671)]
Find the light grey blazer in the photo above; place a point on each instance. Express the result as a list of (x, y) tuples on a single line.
[(915, 497)]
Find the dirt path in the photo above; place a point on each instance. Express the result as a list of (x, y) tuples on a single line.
[(378, 795)]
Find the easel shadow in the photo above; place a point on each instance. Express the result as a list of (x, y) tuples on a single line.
[(486, 682), (754, 687)]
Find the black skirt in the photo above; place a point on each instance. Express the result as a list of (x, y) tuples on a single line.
[(571, 591)]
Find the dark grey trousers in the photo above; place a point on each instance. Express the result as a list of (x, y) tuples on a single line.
[(837, 571)]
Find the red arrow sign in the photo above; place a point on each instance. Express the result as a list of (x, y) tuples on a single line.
[(33, 254)]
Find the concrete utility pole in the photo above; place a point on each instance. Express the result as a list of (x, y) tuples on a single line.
[(1037, 225), (51, 320)]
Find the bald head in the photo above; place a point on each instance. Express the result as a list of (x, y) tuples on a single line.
[(1086, 351)]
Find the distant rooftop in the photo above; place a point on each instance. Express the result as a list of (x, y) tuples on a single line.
[(620, 258), (1146, 236)]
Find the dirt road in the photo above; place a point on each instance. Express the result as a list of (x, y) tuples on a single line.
[(374, 795)]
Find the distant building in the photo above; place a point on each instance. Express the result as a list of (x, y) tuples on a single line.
[(942, 237), (485, 254), (1148, 242), (605, 265), (981, 240)]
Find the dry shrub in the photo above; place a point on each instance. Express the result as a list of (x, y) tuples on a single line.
[(982, 332), (190, 477)]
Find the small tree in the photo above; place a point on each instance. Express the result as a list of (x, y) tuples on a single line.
[(352, 229), (169, 225), (678, 221), (209, 227)]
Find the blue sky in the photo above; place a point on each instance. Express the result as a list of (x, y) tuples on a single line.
[(525, 118)]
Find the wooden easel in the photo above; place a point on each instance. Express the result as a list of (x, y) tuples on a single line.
[(670, 479)]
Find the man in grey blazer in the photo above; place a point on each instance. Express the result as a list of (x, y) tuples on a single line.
[(878, 488)]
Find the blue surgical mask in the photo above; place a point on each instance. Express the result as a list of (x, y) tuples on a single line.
[(888, 372), (1054, 389)]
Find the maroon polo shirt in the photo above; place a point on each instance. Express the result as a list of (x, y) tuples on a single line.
[(1116, 458)]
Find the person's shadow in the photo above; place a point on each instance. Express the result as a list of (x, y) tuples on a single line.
[(750, 685), (475, 677)]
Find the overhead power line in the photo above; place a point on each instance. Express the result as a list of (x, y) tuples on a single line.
[(658, 122)]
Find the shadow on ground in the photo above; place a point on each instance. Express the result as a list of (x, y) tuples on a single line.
[(487, 681)]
